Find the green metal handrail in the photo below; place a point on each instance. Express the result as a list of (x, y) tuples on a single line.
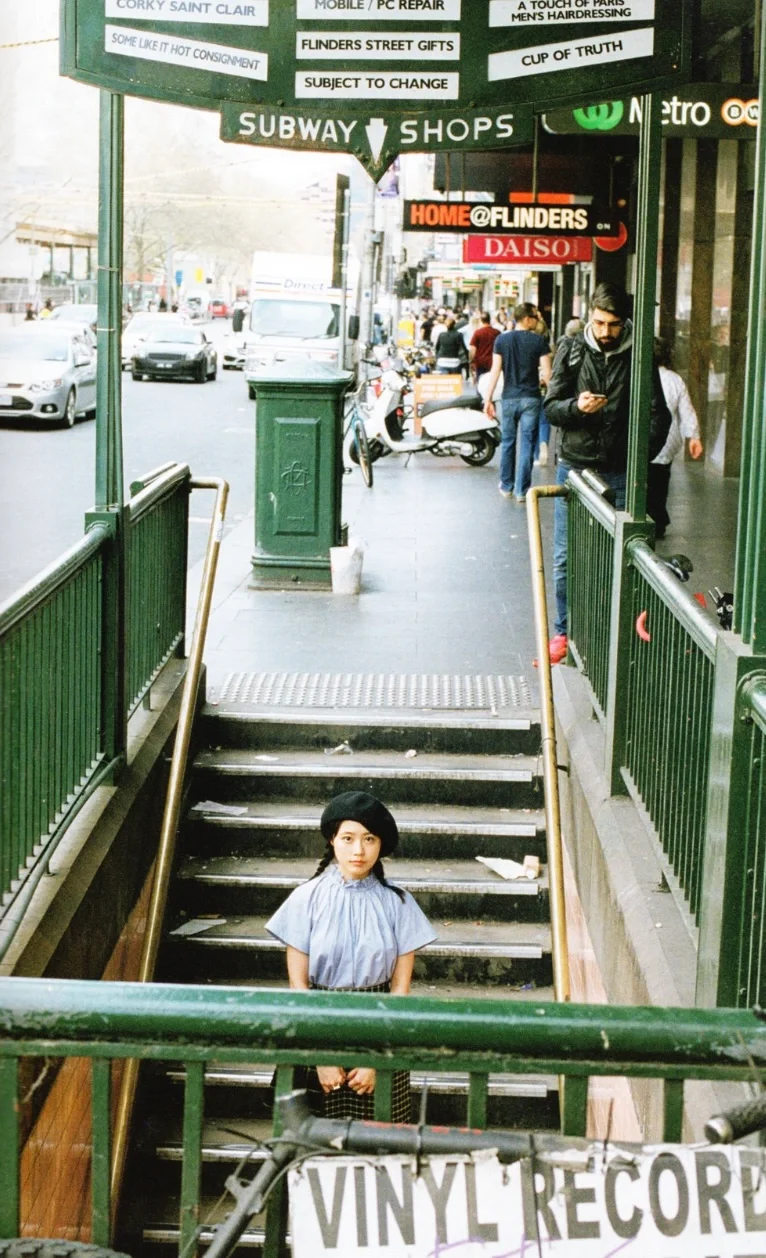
[(156, 567), (693, 618), (54, 679), (591, 546), (197, 1025)]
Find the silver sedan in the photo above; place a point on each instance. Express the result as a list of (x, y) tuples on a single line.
[(46, 373)]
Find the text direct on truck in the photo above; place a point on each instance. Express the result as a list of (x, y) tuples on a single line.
[(295, 313)]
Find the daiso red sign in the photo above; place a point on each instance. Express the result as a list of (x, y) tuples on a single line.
[(526, 250)]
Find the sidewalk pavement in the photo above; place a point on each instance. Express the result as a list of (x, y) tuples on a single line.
[(446, 580)]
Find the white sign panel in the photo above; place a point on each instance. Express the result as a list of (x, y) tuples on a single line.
[(668, 1202), (211, 12), (379, 10), (375, 46), (175, 50), (577, 54), (564, 12), (358, 85)]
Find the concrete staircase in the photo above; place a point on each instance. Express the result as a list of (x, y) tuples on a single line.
[(459, 786)]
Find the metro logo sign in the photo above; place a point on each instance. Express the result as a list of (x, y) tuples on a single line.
[(527, 250)]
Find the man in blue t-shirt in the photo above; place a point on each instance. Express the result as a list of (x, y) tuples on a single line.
[(525, 361)]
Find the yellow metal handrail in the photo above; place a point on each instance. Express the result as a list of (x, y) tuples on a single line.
[(559, 946), (166, 850)]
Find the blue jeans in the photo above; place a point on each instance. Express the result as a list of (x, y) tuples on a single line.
[(544, 433), (518, 413), (617, 482)]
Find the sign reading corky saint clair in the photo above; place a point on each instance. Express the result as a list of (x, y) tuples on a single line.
[(371, 59)]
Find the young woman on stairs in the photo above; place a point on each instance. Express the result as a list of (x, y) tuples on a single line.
[(349, 929)]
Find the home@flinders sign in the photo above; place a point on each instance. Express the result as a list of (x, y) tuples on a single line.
[(377, 77)]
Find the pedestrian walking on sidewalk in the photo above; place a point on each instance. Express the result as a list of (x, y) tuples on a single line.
[(684, 427), (524, 357), (349, 929), (588, 398)]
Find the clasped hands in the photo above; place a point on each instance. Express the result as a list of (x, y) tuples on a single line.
[(360, 1080)]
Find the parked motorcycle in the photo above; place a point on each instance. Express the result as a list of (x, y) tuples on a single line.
[(450, 426)]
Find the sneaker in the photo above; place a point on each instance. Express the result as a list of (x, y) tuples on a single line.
[(504, 493), (542, 455), (521, 499), (557, 648)]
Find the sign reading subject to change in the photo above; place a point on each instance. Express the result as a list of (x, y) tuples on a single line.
[(476, 54), (373, 136)]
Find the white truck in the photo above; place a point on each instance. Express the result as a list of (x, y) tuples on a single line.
[(295, 313)]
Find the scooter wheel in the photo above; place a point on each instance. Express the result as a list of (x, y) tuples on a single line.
[(377, 450), (483, 452)]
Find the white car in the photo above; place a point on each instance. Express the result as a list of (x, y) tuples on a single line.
[(140, 326), (47, 372)]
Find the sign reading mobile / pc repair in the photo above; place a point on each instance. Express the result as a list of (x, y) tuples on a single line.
[(400, 54), (667, 1202)]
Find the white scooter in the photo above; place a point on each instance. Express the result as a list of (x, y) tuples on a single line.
[(449, 426)]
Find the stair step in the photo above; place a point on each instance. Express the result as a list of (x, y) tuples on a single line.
[(531, 991), (279, 827), (453, 1084), (442, 778), (232, 884), (232, 725), (491, 952)]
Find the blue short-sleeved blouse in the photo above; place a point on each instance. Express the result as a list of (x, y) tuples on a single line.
[(352, 931)]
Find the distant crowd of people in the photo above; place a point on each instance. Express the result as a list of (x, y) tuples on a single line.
[(581, 386)]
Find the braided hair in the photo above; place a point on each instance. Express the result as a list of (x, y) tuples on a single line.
[(377, 870)]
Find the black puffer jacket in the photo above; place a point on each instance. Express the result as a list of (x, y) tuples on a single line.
[(599, 440)]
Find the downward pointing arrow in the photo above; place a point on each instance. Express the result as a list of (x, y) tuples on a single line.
[(376, 134)]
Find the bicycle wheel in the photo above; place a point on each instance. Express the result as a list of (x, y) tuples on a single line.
[(361, 449)]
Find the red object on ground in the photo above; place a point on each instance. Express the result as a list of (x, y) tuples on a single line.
[(700, 597), (557, 648)]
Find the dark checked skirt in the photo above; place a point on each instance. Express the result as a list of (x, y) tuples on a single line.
[(347, 1104)]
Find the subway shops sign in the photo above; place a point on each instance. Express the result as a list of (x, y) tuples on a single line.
[(445, 64), (667, 1202)]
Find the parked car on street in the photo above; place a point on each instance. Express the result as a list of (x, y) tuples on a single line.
[(76, 312), (46, 372), (218, 308), (233, 351), (175, 352), (139, 326)]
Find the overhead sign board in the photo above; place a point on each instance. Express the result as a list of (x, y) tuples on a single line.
[(668, 1202), (516, 219), (375, 136), (715, 111), (476, 54), (527, 250)]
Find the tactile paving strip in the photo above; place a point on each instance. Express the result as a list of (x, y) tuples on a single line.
[(450, 692)]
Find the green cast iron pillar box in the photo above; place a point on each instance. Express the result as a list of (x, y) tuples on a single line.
[(298, 472)]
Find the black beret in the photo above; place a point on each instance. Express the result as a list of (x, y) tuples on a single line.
[(368, 811)]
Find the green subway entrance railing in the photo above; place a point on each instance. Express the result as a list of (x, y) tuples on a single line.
[(668, 701), (54, 682), (194, 1026), (591, 532)]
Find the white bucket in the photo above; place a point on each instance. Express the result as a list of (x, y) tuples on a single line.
[(346, 569)]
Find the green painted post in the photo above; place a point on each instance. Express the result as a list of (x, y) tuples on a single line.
[(191, 1175), (750, 574), (673, 1110), (477, 1099), (110, 508), (649, 178), (101, 1075), (10, 1145)]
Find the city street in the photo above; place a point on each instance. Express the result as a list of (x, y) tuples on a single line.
[(47, 474)]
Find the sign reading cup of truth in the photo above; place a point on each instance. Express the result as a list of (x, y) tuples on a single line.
[(435, 61), (667, 1202)]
